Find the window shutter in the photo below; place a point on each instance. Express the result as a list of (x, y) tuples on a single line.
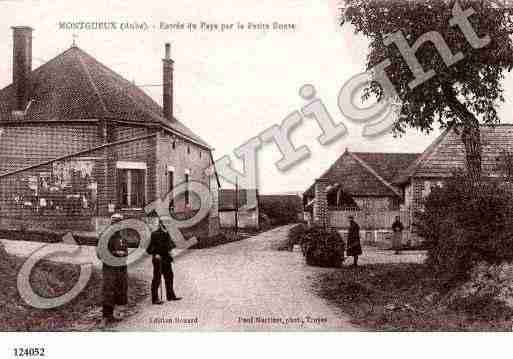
[(122, 188), (138, 188)]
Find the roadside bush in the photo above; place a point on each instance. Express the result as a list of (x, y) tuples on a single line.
[(463, 225), (293, 237), (322, 248)]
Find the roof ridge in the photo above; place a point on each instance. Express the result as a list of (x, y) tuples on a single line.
[(113, 73), (142, 106), (373, 172), (91, 81), (410, 170), (328, 169)]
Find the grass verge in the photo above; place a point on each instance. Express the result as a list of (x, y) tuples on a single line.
[(50, 279), (406, 297)]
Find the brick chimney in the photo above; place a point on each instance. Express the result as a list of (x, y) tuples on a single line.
[(320, 206), (22, 65), (167, 73)]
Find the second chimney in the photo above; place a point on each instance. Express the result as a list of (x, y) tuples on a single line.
[(168, 84), (22, 65)]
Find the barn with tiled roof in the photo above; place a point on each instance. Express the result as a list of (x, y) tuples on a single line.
[(364, 180), (446, 155)]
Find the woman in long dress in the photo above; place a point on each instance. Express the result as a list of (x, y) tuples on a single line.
[(354, 247)]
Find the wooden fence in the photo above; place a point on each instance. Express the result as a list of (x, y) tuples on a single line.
[(381, 220)]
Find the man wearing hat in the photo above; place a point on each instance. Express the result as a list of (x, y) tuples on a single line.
[(115, 278), (160, 249)]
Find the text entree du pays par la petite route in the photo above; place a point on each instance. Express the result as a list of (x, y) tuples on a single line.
[(205, 26)]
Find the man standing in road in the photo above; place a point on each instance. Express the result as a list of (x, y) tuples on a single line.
[(160, 249)]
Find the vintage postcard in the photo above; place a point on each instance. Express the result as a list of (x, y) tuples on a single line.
[(264, 166)]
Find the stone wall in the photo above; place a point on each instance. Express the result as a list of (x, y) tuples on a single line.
[(137, 151), (320, 206), (29, 144), (20, 196), (181, 156)]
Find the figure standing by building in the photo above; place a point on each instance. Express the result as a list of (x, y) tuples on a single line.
[(354, 247), (160, 248), (397, 239), (115, 277)]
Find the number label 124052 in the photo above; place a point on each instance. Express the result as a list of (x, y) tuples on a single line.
[(29, 352)]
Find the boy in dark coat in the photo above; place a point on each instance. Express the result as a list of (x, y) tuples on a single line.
[(160, 249), (354, 248), (115, 278)]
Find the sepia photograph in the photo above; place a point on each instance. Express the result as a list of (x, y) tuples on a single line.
[(172, 167)]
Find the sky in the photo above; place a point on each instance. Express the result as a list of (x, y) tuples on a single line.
[(229, 85)]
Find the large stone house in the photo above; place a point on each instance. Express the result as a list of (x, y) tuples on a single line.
[(79, 142)]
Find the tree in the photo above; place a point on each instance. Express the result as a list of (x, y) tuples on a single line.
[(463, 94)]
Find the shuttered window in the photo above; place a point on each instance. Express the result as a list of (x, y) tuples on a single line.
[(138, 188)]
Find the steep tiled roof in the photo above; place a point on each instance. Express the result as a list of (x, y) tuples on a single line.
[(366, 173), (74, 86), (387, 165), (447, 153)]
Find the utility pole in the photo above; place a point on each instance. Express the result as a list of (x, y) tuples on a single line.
[(236, 205)]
